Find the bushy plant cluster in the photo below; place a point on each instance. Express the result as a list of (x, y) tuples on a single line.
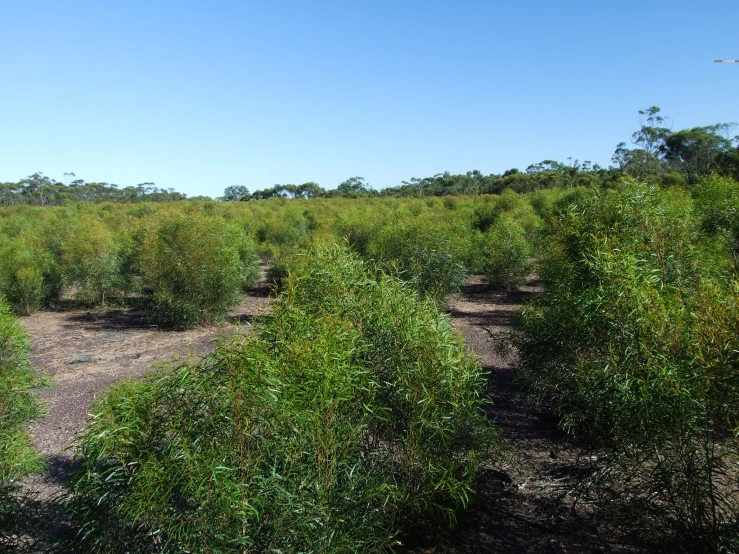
[(509, 256), (353, 413), (717, 207), (509, 234), (98, 255), (30, 275), (636, 345), (422, 260), (18, 406), (194, 269), (91, 258), (187, 264), (424, 252)]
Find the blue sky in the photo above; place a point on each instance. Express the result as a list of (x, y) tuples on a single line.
[(199, 96)]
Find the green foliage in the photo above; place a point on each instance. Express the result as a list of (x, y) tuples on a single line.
[(423, 253), (635, 344), (450, 203), (25, 287), (508, 255), (18, 406), (549, 204), (194, 268), (359, 232), (287, 228), (700, 151), (487, 214), (352, 414), (717, 207), (511, 228), (40, 190), (92, 261), (23, 264), (354, 187)]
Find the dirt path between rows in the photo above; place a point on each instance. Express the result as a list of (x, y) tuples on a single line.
[(522, 506)]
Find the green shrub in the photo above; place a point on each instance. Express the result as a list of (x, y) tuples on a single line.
[(717, 207), (487, 214), (194, 268), (353, 413), (422, 253), (359, 233), (508, 255), (18, 406), (450, 203), (635, 345), (92, 262), (23, 265), (287, 228), (26, 288)]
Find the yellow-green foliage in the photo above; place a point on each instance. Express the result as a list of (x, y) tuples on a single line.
[(194, 267), (509, 256), (636, 343), (717, 207), (24, 262), (91, 260), (352, 414), (94, 252), (18, 406), (426, 250), (286, 227)]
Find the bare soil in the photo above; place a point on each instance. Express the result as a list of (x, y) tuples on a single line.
[(85, 351), (523, 503)]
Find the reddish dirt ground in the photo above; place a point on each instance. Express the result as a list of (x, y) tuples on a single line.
[(522, 505)]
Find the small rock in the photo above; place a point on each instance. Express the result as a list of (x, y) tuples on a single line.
[(80, 359)]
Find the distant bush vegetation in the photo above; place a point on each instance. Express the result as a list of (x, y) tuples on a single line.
[(422, 251), (354, 413), (508, 255), (190, 266), (91, 261)]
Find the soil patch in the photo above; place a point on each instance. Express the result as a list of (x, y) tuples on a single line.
[(86, 351)]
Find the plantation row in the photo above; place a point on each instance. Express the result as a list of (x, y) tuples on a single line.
[(636, 346), (354, 412), (190, 262)]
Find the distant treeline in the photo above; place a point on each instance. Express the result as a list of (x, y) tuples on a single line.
[(40, 190), (659, 156)]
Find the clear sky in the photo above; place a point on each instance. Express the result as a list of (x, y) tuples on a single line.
[(199, 96)]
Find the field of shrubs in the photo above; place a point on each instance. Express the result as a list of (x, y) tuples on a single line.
[(354, 413)]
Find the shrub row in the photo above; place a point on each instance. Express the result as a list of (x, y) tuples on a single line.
[(194, 269), (352, 414), (188, 266), (94, 253), (636, 345), (18, 406)]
